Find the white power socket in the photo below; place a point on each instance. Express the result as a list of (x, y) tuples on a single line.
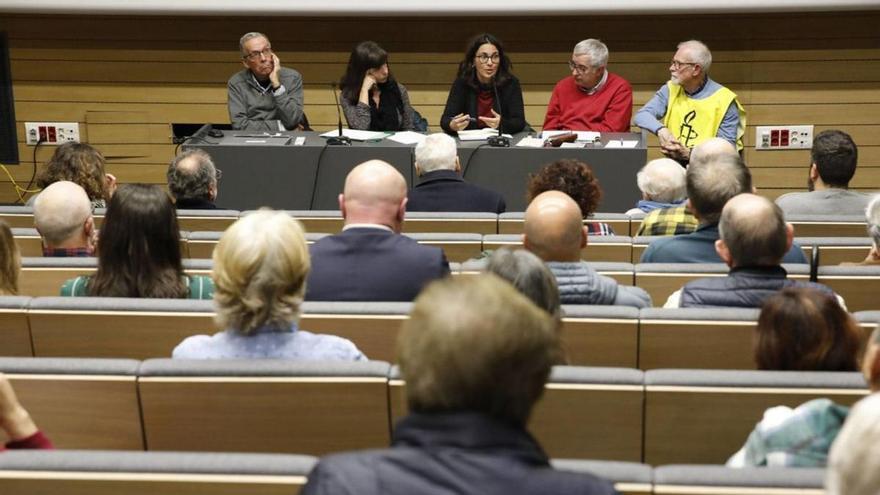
[(51, 133), (783, 137)]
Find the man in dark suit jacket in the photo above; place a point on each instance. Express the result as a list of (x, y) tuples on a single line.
[(369, 260), (441, 187)]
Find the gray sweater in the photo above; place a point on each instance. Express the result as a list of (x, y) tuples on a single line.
[(251, 109), (580, 284)]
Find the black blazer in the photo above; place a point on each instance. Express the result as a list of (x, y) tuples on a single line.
[(463, 99), (371, 264), (445, 190)]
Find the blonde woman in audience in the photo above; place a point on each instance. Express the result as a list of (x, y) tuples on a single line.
[(139, 251), (10, 262), (82, 164), (260, 268), (16, 422), (804, 330)]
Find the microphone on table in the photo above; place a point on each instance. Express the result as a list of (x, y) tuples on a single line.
[(338, 140), (499, 141)]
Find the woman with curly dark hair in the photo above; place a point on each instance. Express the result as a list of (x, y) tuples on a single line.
[(485, 93), (83, 165), (139, 251), (575, 178)]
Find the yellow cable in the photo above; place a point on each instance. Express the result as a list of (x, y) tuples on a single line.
[(18, 189)]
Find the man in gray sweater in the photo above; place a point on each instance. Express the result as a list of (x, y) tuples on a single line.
[(554, 231)]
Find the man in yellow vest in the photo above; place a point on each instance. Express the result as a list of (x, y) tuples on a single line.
[(691, 108)]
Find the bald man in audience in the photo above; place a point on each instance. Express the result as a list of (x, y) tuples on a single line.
[(63, 217), (555, 232), (192, 180), (370, 260), (754, 240)]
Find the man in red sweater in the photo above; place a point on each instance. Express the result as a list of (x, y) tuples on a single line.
[(591, 99)]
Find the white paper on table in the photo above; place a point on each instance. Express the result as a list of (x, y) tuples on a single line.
[(581, 135), (407, 137), (531, 142), (622, 143), (572, 145), (356, 135), (479, 134)]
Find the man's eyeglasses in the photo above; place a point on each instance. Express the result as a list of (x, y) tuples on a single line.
[(483, 58), (675, 64), (581, 69), (267, 52)]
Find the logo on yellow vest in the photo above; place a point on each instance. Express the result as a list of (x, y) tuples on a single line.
[(686, 132)]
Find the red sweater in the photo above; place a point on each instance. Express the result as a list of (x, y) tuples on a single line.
[(609, 110), (35, 441)]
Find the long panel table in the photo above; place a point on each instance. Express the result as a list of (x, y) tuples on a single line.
[(310, 177)]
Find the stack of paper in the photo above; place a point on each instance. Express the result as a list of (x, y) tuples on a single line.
[(480, 134)]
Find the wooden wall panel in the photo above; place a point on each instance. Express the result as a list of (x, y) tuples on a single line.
[(822, 69)]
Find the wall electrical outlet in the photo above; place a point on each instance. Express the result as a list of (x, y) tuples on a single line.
[(783, 137), (51, 133)]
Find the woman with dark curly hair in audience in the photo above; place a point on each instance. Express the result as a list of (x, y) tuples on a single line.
[(575, 178), (371, 98), (485, 93), (800, 329), (10, 262), (81, 164), (139, 251)]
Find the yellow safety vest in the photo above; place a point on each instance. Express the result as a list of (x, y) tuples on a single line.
[(693, 121)]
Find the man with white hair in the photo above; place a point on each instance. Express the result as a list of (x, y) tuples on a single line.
[(63, 217), (441, 187), (691, 108), (662, 184), (591, 99)]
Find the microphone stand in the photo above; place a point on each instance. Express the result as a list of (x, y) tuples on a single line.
[(499, 141), (339, 140)]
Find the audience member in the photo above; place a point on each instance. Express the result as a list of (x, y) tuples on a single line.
[(677, 220), (529, 275), (802, 437), (473, 372), (441, 187), (591, 99), (753, 241), (372, 99), (854, 461), (369, 260), (82, 164), (16, 423), (662, 183), (10, 262), (554, 232), (139, 251), (485, 93), (575, 178), (260, 269), (872, 217), (265, 96), (63, 217), (710, 184), (691, 107), (192, 180), (833, 160)]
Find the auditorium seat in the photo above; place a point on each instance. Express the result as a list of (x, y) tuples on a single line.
[(310, 407), (319, 221), (718, 480), (457, 247), (372, 326), (28, 241), (716, 338), (622, 272), (15, 338), (80, 403), (585, 413), (858, 285), (115, 326), (629, 478), (200, 245), (601, 335), (837, 250), (17, 217), (512, 222), (197, 220), (660, 280), (868, 319), (615, 248), (828, 225), (78, 472), (450, 222), (705, 416)]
